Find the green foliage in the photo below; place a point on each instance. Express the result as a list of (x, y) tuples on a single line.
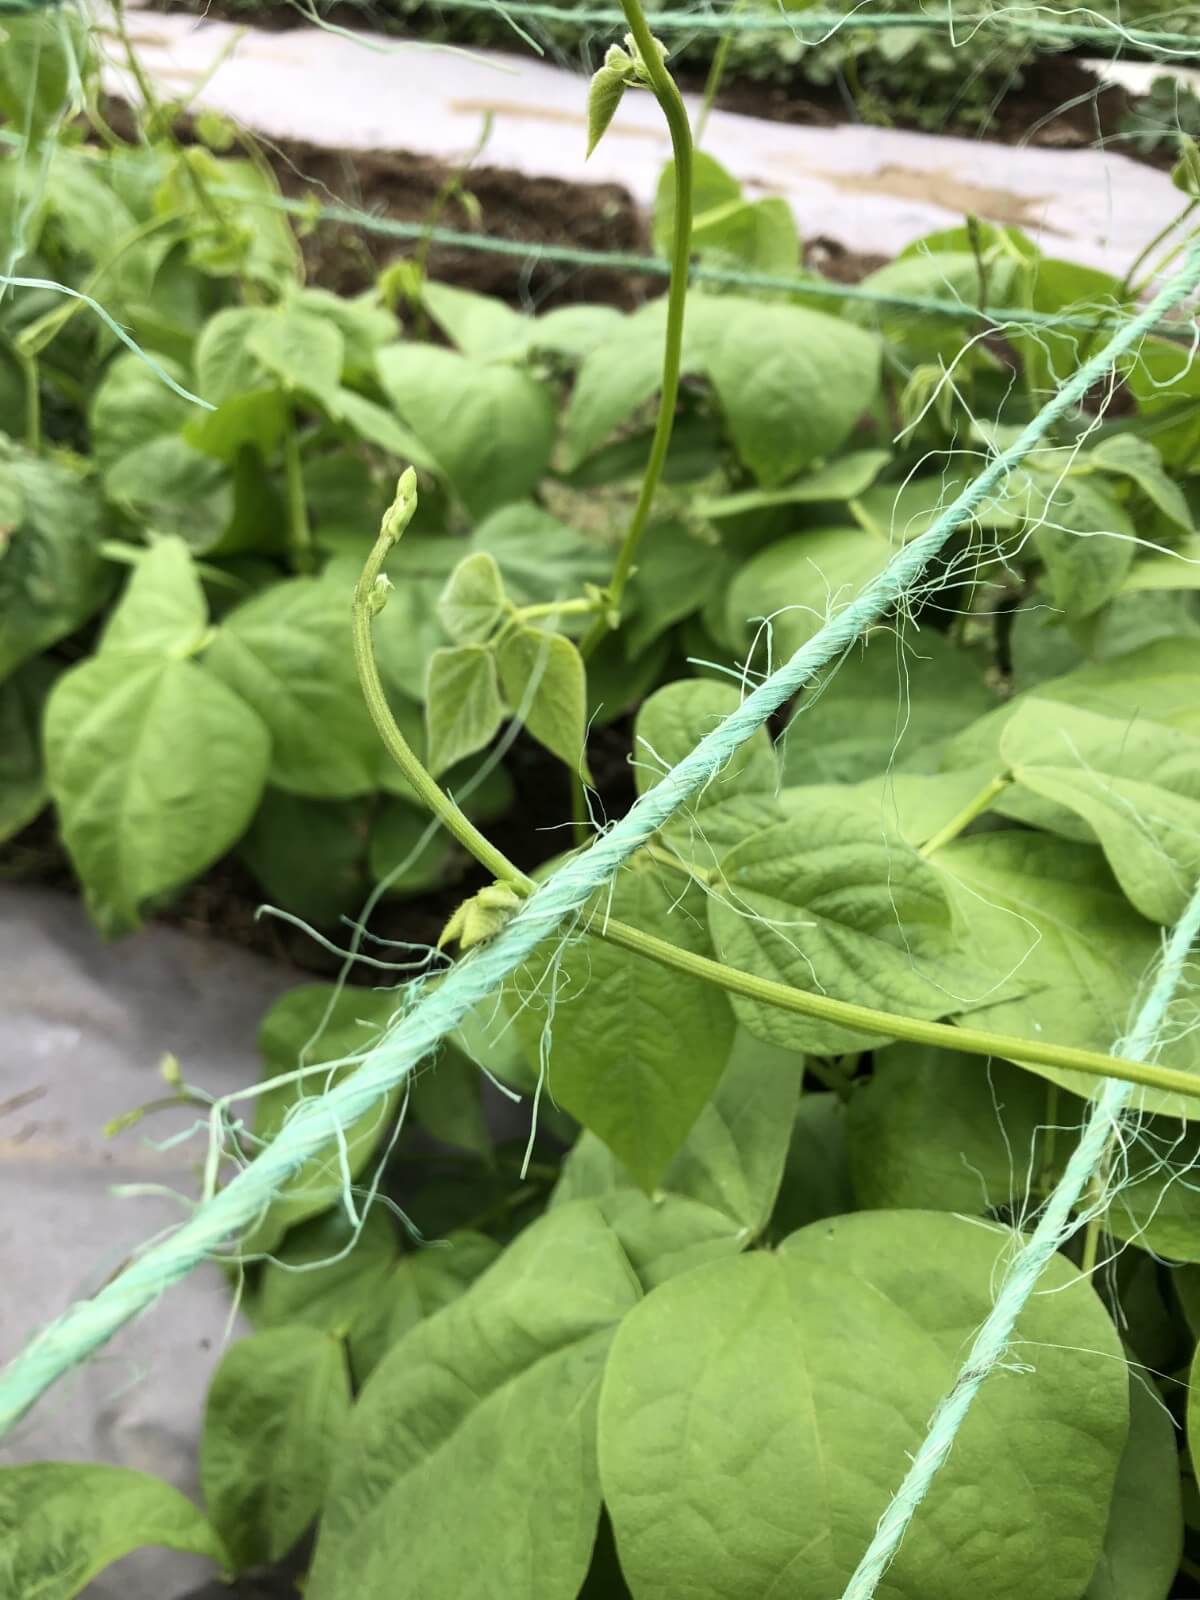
[(767, 1337), (277, 1407), (683, 1334), (63, 1522)]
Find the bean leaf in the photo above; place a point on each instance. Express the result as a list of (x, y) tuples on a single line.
[(738, 800), (820, 904), (287, 653), (463, 708), (544, 681), (787, 1391), (62, 1522), (635, 1049), (156, 769), (527, 1341), (163, 609), (1137, 787), (277, 1408)]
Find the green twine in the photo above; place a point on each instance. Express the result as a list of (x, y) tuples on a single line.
[(811, 287), (806, 287), (816, 26), (1055, 1226), (8, 281), (444, 1004)]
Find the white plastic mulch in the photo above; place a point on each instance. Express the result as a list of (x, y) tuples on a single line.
[(83, 1027), (871, 189)]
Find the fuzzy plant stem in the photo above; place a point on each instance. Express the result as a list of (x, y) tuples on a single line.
[(1055, 1226), (369, 595), (445, 1002), (669, 98)]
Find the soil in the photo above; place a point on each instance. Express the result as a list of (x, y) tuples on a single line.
[(503, 205), (533, 211)]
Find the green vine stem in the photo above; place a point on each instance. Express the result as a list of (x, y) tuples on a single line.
[(669, 98), (716, 72), (300, 543), (31, 380), (883, 1024), (974, 808), (369, 595)]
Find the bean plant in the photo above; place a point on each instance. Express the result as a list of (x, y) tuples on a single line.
[(791, 1089)]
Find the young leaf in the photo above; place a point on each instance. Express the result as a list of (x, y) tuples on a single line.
[(463, 708), (787, 1389), (738, 801), (545, 682), (287, 653), (820, 902), (62, 1522), (473, 602), (490, 427), (163, 610), (605, 93), (760, 234), (277, 1408), (156, 769), (527, 1341), (613, 1064)]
